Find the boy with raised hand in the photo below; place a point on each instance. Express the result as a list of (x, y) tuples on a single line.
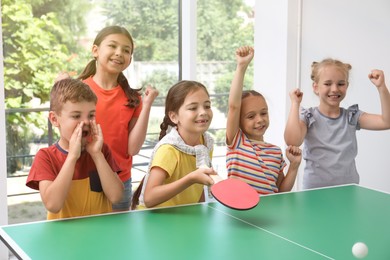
[(76, 176)]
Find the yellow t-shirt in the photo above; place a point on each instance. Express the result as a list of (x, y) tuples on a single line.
[(177, 164), (95, 202)]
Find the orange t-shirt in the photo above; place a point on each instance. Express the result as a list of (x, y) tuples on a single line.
[(114, 117)]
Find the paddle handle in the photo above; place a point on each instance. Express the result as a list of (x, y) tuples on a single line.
[(207, 191)]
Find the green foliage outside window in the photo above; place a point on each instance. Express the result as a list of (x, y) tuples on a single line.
[(37, 46), (42, 38), (222, 26)]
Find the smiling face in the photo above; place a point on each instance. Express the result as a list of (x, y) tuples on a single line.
[(331, 87), (254, 119), (113, 54), (194, 116), (69, 117)]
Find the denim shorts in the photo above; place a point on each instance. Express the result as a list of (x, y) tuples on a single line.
[(125, 203)]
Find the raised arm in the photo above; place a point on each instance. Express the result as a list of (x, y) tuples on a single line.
[(139, 126), (382, 121), (244, 55), (295, 130)]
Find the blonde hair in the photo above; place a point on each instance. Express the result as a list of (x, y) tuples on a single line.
[(72, 90), (316, 68)]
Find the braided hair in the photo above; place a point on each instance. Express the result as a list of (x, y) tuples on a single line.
[(175, 99)]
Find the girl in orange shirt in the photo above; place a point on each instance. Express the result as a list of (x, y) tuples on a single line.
[(120, 111)]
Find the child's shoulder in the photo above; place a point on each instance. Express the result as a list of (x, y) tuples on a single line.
[(350, 111), (307, 110), (167, 148), (271, 145), (52, 149), (354, 107), (268, 146)]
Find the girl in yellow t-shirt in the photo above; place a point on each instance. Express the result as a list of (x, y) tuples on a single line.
[(175, 176)]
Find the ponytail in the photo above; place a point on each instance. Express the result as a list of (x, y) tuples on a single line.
[(136, 195), (164, 126), (88, 71), (133, 95)]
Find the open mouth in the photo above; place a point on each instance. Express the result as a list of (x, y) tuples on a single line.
[(85, 133)]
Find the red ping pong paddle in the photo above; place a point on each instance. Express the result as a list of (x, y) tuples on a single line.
[(235, 194)]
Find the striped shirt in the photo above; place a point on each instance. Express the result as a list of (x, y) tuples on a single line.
[(257, 163)]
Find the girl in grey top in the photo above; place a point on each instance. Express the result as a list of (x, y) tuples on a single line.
[(329, 131)]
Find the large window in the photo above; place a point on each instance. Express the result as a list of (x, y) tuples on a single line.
[(222, 26), (43, 38)]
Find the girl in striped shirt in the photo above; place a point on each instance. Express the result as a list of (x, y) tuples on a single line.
[(249, 157)]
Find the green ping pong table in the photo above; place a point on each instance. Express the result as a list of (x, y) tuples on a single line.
[(313, 224)]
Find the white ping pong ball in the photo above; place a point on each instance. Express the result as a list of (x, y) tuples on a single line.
[(360, 250)]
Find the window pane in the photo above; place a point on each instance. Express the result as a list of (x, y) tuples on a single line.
[(222, 26), (43, 38)]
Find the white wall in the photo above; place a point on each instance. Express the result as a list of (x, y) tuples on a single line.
[(356, 32), (276, 60), (188, 40)]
